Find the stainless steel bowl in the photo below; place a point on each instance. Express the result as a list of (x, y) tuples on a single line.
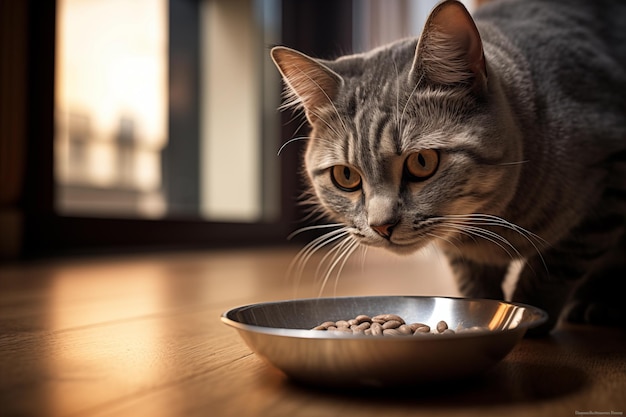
[(279, 332)]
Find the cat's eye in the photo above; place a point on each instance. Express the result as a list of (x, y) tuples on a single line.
[(421, 165), (345, 178)]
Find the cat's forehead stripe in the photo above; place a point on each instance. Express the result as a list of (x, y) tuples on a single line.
[(348, 147)]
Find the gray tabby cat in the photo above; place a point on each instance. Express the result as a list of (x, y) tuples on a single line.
[(497, 137)]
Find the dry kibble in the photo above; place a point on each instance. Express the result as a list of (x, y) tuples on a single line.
[(377, 329), (423, 329), (387, 325), (363, 326), (361, 318), (383, 318), (325, 325), (441, 326), (415, 326), (342, 329), (392, 324), (404, 329)]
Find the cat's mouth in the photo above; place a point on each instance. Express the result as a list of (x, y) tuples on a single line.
[(407, 248), (397, 244)]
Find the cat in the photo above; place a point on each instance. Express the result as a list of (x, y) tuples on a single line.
[(498, 136)]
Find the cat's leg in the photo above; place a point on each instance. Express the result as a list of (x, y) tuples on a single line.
[(547, 289), (477, 280), (547, 281), (595, 300)]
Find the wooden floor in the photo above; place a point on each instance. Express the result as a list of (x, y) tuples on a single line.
[(141, 336)]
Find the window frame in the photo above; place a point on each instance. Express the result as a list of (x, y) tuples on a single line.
[(45, 232)]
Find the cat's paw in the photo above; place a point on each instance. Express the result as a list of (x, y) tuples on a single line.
[(596, 313)]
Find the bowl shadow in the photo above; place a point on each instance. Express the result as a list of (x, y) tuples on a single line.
[(509, 382)]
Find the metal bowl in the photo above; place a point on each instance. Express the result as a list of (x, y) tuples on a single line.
[(279, 332)]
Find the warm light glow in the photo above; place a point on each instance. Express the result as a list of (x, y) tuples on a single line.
[(111, 96), (123, 345), (506, 317)]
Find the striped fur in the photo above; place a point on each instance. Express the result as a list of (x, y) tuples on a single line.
[(532, 146)]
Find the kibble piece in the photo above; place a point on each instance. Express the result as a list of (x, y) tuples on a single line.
[(324, 326), (392, 324), (383, 318), (377, 329), (423, 329), (341, 329), (405, 330), (363, 326), (447, 331), (361, 318), (342, 323), (392, 332), (415, 326), (441, 326)]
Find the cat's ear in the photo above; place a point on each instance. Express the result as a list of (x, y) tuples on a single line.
[(450, 50), (311, 83)]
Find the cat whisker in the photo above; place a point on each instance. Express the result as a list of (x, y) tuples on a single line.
[(314, 227), (494, 238), (331, 253), (290, 141), (445, 239), (327, 123), (363, 256), (513, 163), (499, 221), (295, 114), (316, 244), (349, 251), (300, 138), (474, 221), (491, 220), (480, 233), (315, 211), (297, 265), (302, 124), (342, 252)]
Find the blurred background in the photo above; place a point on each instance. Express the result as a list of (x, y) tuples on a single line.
[(151, 124)]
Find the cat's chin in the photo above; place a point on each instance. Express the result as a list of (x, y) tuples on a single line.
[(404, 249), (398, 248)]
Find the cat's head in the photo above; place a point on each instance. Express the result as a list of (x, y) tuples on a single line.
[(405, 135)]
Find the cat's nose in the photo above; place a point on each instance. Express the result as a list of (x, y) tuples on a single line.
[(384, 229)]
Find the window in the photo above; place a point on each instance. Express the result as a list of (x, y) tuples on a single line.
[(133, 79)]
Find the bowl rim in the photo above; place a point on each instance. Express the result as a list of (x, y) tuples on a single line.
[(540, 316)]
